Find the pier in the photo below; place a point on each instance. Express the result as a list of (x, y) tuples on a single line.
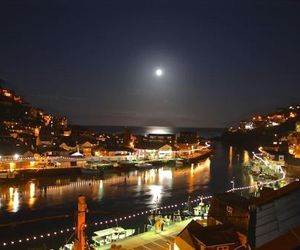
[(152, 240)]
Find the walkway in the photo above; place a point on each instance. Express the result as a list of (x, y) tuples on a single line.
[(152, 240)]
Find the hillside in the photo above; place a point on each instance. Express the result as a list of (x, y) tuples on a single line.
[(262, 130), (22, 125)]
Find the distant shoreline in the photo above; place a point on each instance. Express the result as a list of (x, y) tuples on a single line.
[(141, 130)]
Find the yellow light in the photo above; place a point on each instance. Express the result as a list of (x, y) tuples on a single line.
[(12, 166), (32, 193), (32, 190), (246, 157), (230, 156), (192, 169), (11, 192), (16, 201)]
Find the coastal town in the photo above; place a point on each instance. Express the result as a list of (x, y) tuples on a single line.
[(36, 144), (149, 125), (32, 139)]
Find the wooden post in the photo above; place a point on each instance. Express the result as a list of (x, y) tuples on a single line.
[(80, 228)]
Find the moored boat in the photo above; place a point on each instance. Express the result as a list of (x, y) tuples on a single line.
[(179, 163), (8, 174), (201, 210), (89, 170), (197, 156), (143, 165), (107, 236)]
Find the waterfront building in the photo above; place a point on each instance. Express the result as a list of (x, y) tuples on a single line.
[(119, 150), (217, 237), (111, 151), (161, 138), (258, 220), (154, 151)]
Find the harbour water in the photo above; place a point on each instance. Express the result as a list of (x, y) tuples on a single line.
[(49, 203)]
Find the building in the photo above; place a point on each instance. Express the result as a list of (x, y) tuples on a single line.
[(290, 239), (188, 137), (68, 144), (258, 220), (162, 138), (276, 213), (154, 151), (230, 209), (217, 237), (87, 148)]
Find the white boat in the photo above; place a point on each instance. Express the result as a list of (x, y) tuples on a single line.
[(107, 236), (179, 162), (143, 165), (201, 210)]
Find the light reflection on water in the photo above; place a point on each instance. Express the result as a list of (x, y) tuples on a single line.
[(159, 130), (13, 202), (153, 182), (199, 175), (246, 158), (144, 188)]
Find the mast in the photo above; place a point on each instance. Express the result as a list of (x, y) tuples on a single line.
[(80, 227)]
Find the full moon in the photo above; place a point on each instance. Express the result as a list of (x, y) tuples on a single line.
[(158, 72)]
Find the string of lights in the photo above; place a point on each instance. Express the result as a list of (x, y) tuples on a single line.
[(99, 223), (17, 157)]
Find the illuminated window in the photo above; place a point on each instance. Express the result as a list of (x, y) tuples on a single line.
[(229, 210)]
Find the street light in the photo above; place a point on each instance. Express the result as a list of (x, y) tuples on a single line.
[(233, 184)]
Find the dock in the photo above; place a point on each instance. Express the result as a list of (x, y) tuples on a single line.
[(151, 240)]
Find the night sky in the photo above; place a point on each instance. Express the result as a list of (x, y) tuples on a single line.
[(94, 61)]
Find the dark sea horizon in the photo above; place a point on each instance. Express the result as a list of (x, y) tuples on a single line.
[(143, 130)]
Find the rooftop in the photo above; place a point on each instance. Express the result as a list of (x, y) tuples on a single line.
[(210, 235), (234, 200)]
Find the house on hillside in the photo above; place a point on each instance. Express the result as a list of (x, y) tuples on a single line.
[(68, 144)]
